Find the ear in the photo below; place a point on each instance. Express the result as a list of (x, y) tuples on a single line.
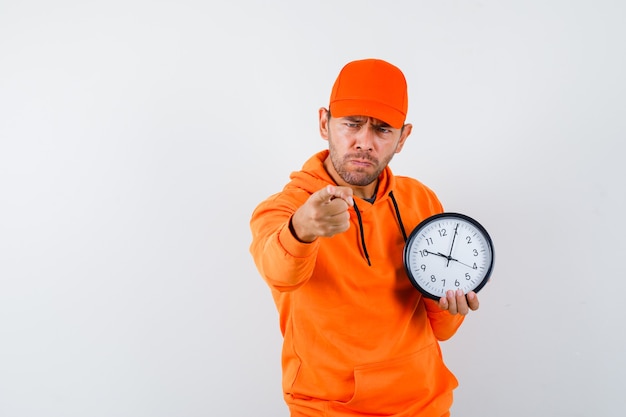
[(405, 134), (323, 122)]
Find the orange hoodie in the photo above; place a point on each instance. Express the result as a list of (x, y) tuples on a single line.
[(358, 338)]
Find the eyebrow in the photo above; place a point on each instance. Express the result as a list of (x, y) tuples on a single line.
[(375, 122)]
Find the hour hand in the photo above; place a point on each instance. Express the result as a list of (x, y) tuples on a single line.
[(437, 254)]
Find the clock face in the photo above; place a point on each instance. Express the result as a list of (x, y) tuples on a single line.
[(448, 251)]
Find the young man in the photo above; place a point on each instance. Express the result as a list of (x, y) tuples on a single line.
[(359, 340)]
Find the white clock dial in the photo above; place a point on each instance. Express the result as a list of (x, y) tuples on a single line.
[(448, 251)]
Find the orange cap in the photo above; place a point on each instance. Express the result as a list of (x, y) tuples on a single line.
[(371, 87)]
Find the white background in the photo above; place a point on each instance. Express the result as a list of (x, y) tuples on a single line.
[(136, 137)]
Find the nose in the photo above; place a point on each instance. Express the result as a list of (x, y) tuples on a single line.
[(365, 137)]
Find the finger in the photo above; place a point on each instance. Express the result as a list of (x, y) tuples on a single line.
[(443, 303), (331, 192), (472, 301), (345, 193), (451, 298), (337, 210), (325, 195), (338, 216), (461, 302)]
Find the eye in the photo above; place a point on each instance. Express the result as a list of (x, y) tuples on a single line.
[(384, 130)]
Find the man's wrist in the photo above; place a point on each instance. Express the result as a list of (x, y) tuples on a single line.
[(293, 232)]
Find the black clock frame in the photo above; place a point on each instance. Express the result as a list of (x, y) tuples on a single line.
[(434, 218)]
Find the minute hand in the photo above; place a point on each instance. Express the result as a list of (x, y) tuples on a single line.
[(452, 245)]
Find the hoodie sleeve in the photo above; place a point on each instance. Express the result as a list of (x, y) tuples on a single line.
[(443, 323), (283, 261)]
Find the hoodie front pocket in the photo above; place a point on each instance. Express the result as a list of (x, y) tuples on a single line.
[(390, 387)]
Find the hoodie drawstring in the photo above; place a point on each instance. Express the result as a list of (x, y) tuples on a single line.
[(358, 215), (395, 206)]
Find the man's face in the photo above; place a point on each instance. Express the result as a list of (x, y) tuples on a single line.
[(361, 147)]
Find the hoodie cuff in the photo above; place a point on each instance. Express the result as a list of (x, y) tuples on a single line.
[(295, 247)]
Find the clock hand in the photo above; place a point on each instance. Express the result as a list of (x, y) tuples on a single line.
[(452, 245), (437, 254), (449, 258), (462, 263)]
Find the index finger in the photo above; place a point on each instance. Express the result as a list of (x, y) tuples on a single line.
[(330, 192)]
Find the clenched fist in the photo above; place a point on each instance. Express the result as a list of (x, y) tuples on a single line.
[(325, 213)]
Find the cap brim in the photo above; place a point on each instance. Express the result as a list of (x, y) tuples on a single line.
[(359, 107)]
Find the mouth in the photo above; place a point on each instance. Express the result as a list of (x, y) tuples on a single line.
[(361, 162)]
